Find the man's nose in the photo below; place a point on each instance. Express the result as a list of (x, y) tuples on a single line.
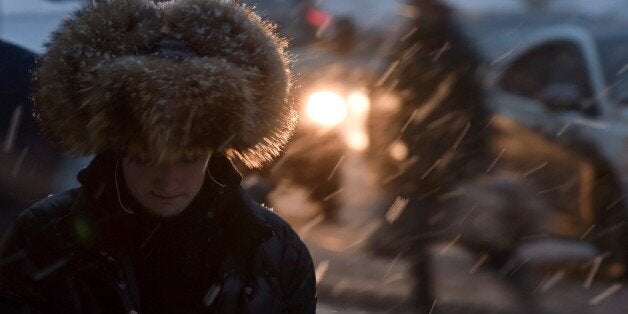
[(167, 177)]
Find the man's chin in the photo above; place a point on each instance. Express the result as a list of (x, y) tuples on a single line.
[(166, 210)]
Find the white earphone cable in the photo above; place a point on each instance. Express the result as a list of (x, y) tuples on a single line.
[(115, 179)]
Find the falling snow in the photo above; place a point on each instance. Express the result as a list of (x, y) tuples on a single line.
[(395, 230)]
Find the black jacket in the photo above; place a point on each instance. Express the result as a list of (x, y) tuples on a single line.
[(81, 252)]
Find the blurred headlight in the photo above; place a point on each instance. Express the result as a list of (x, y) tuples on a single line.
[(359, 102), (326, 108), (357, 140), (398, 151)]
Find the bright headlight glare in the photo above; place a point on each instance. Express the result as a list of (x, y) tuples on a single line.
[(359, 102), (357, 140), (326, 108)]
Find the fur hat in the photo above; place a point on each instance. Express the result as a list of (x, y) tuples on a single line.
[(157, 78)]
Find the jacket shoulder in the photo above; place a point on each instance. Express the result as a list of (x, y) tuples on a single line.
[(29, 247), (281, 229), (288, 257)]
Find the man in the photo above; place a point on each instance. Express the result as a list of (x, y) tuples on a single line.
[(164, 95)]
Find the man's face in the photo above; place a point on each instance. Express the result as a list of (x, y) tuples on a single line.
[(166, 188)]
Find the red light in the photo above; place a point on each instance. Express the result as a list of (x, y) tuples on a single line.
[(317, 18)]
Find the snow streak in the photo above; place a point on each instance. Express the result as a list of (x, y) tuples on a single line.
[(396, 209)]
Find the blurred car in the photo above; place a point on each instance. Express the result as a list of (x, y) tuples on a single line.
[(559, 99), (331, 99)]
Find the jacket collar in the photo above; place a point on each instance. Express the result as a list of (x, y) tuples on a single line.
[(242, 219)]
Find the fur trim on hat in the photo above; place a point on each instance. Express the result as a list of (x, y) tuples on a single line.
[(103, 84)]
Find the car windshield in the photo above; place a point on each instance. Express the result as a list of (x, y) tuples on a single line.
[(614, 54)]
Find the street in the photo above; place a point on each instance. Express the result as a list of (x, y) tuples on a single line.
[(351, 280)]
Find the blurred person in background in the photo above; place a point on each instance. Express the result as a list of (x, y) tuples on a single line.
[(30, 168), (431, 136), (164, 95), (25, 155), (436, 131)]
